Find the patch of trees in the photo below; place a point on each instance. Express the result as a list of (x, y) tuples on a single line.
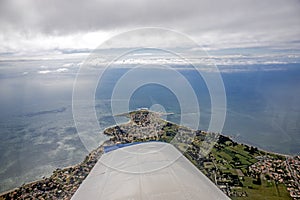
[(251, 149), (257, 181), (223, 139)]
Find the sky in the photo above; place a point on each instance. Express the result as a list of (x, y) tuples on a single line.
[(33, 28), (43, 43)]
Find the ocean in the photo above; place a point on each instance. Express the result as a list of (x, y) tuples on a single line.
[(38, 133)]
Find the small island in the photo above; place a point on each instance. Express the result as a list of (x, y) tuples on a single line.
[(240, 171)]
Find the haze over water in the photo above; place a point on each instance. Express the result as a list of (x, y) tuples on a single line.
[(38, 133)]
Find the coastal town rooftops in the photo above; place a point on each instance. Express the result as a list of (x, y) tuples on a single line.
[(153, 170)]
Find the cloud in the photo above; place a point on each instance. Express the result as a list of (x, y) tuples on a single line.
[(85, 24), (59, 70), (65, 17), (68, 65), (62, 70), (44, 71)]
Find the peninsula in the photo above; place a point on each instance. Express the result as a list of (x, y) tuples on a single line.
[(239, 170)]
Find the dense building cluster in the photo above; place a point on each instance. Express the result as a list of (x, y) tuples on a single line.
[(141, 118), (143, 126), (147, 126), (270, 167), (293, 184), (281, 171)]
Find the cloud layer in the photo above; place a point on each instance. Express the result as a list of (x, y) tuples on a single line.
[(212, 23)]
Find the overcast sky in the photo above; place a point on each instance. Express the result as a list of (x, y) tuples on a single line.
[(31, 26)]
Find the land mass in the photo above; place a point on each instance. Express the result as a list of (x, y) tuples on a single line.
[(240, 171)]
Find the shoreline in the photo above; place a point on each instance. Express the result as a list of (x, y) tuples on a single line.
[(45, 177), (59, 178), (259, 148), (89, 161), (102, 145)]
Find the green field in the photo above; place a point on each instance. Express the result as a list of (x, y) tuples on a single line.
[(265, 191), (233, 160)]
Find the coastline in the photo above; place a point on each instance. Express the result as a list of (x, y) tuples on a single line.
[(82, 169), (102, 146), (69, 177), (259, 148)]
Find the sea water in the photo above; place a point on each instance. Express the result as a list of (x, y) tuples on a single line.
[(38, 133)]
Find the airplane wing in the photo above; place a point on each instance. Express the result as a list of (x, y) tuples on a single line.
[(151, 170)]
